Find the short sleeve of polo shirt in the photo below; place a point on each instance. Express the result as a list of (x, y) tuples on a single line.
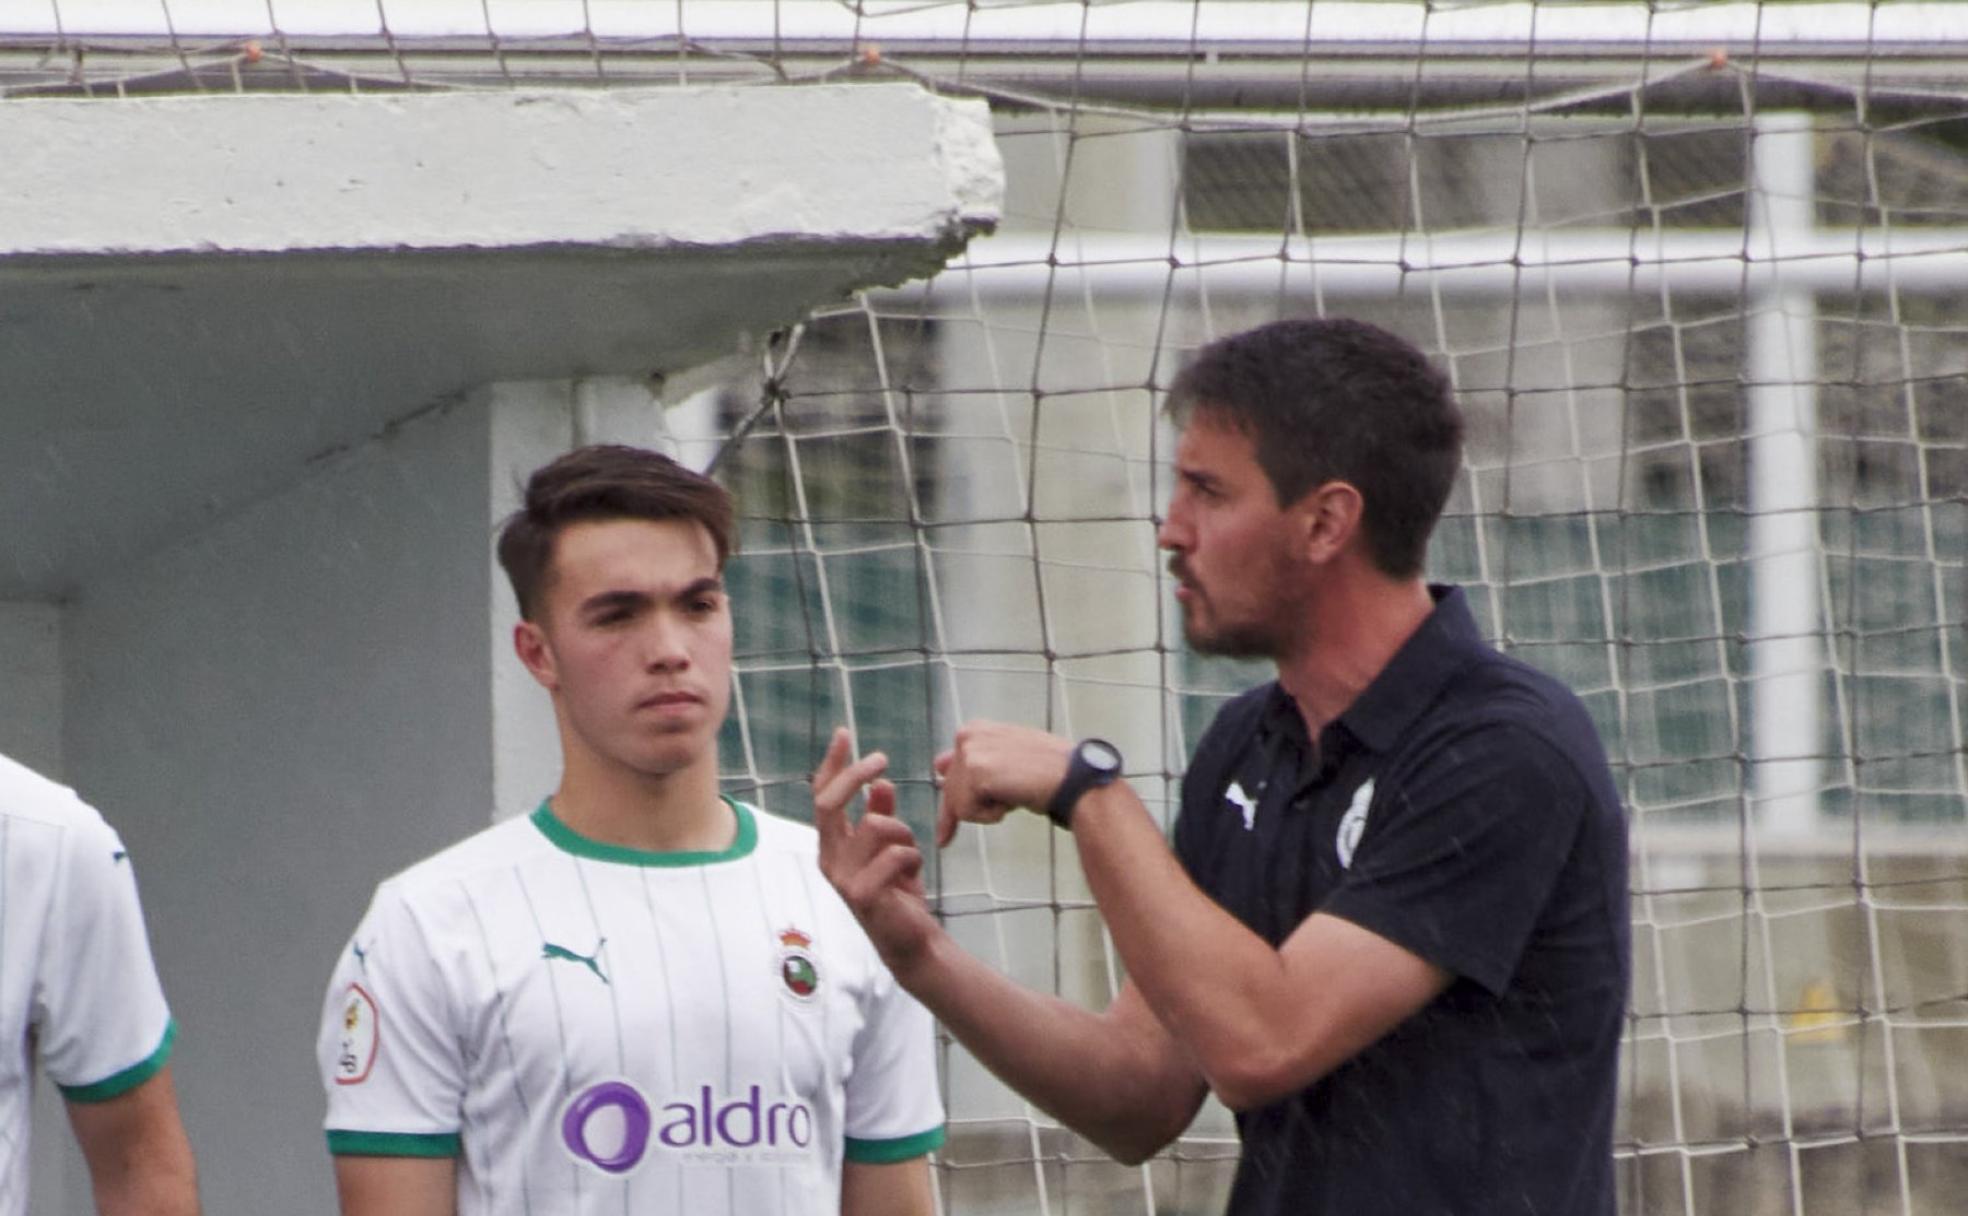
[(99, 1013), (1462, 849), (893, 1111), (389, 1057)]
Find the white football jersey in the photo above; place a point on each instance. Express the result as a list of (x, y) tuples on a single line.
[(78, 989), (590, 1028)]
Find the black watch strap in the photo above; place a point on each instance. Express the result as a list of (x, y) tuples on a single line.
[(1093, 763)]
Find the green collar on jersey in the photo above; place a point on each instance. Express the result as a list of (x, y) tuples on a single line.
[(571, 841)]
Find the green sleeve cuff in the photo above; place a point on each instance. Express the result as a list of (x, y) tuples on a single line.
[(884, 1152), (123, 1082), (394, 1144)]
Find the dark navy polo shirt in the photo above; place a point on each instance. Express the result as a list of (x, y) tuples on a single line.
[(1462, 808)]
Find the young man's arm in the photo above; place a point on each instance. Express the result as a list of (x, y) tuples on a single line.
[(895, 1188), (393, 1129), (397, 1186), (1116, 1077), (104, 1034), (138, 1155)]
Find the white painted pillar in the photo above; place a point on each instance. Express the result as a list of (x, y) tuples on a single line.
[(1786, 655)]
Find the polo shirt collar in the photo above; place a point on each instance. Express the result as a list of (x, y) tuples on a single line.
[(1444, 644)]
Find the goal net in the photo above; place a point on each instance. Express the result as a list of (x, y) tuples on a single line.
[(1694, 271)]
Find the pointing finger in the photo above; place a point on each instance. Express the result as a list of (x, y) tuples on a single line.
[(834, 759), (840, 789), (830, 817)]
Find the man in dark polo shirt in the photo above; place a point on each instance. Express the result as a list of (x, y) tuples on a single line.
[(1393, 933)]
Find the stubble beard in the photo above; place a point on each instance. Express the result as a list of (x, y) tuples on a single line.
[(1264, 638), (1232, 642)]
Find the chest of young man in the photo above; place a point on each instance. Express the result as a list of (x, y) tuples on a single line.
[(712, 1009)]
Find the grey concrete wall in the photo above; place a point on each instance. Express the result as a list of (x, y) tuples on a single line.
[(30, 684), (277, 712)]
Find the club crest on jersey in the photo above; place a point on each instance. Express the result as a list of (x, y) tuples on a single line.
[(1353, 824), (797, 970), (355, 1054)]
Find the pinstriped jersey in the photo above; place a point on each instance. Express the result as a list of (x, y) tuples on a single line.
[(78, 989), (588, 1028)]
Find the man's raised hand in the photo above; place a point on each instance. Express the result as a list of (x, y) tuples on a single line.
[(993, 769), (874, 864)]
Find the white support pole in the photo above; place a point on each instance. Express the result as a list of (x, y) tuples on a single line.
[(1785, 652)]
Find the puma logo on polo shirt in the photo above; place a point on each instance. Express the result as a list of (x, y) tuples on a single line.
[(1245, 803), (550, 951), (1353, 823)]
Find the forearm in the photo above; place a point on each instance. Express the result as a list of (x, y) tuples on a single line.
[(1216, 985), (1114, 1078)]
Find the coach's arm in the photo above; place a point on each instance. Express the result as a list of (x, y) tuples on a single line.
[(397, 1186), (1117, 1077), (1261, 1023), (138, 1155)]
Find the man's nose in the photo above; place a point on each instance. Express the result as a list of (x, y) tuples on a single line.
[(1173, 531)]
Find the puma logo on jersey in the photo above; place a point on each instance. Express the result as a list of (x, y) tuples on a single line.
[(361, 956), (550, 951), (1353, 824), (118, 855), (1245, 803)]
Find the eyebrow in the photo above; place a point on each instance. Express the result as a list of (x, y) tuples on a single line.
[(623, 599)]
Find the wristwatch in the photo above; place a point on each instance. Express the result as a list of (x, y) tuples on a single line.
[(1094, 763)]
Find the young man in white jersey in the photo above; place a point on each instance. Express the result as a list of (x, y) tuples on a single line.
[(79, 998), (643, 997)]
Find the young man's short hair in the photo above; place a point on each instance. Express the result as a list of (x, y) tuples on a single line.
[(1337, 400), (600, 482)]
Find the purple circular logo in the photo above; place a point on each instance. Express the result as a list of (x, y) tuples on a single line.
[(635, 1125)]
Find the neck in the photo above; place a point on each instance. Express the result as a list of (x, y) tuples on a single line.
[(1354, 626), (672, 812)]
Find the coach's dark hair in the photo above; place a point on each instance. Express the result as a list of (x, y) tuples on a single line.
[(604, 481), (1337, 400)]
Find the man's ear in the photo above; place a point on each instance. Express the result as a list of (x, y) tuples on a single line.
[(1328, 518), (530, 644)]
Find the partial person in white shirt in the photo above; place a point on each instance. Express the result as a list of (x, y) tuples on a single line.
[(80, 1000)]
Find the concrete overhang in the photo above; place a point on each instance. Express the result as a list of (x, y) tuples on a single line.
[(200, 296)]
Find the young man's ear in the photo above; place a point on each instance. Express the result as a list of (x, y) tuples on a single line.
[(530, 644), (1328, 518)]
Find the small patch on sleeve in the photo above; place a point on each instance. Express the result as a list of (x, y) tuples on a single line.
[(361, 1037)]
